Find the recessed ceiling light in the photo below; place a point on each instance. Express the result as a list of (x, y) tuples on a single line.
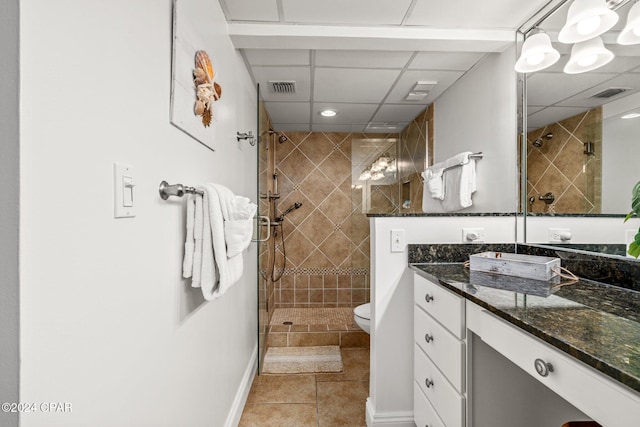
[(328, 113), (630, 116)]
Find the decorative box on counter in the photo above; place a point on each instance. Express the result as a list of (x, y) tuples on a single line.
[(519, 265)]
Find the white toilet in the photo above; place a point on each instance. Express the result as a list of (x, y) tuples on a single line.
[(362, 317)]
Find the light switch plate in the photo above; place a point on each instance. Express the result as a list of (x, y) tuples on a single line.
[(120, 172), (397, 240)]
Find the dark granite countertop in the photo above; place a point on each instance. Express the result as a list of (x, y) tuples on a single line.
[(594, 322), (436, 214)]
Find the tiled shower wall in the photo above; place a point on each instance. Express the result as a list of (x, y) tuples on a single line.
[(327, 239), (416, 154), (561, 167)]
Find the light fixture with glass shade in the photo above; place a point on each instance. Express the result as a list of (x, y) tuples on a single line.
[(588, 55), (587, 19), (630, 34), (537, 53)]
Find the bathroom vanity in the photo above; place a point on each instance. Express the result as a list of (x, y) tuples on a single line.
[(503, 351)]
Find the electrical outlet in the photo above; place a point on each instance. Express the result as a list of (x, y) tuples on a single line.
[(475, 235), (559, 235), (397, 240)]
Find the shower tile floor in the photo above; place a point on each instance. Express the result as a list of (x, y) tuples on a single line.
[(293, 327), (313, 316)]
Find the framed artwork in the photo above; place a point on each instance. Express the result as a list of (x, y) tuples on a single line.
[(194, 91)]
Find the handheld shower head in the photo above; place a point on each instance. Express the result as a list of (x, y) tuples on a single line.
[(293, 207)]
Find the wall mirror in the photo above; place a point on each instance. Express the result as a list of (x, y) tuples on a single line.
[(580, 125)]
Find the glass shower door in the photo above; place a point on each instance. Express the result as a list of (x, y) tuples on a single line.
[(263, 245)]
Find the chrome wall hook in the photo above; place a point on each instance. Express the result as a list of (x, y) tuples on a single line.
[(246, 135)]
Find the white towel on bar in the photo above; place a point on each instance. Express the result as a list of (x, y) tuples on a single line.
[(219, 271), (460, 184), (189, 243), (450, 188), (238, 224), (433, 182)]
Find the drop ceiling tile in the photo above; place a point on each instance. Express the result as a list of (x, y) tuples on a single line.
[(494, 14), (347, 113), (291, 127), (279, 57), (301, 75), (288, 112), (398, 112), (352, 85), (354, 127), (583, 99), (353, 12), (411, 77), (445, 61), (551, 115), (362, 59), (252, 10), (550, 88)]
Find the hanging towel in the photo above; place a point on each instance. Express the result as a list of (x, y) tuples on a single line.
[(207, 260), (460, 184), (433, 182), (238, 229), (226, 271)]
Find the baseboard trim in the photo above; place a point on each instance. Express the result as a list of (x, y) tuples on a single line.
[(235, 413), (388, 419)]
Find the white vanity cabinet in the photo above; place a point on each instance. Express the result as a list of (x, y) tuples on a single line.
[(439, 356)]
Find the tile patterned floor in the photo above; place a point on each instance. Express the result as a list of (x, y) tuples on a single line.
[(313, 316), (321, 400)]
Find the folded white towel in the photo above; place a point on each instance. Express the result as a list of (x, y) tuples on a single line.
[(238, 230), (433, 182), (189, 244), (218, 201)]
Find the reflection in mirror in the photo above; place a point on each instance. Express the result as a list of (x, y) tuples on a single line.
[(581, 154), (575, 164)]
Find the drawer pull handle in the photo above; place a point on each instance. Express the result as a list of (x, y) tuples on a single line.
[(428, 298), (543, 368), (428, 338), (428, 383)]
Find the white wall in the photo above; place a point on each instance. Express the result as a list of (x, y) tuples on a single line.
[(478, 113), (620, 154), (391, 396), (9, 208), (107, 323)]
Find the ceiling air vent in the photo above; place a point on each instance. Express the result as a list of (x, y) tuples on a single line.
[(283, 86), (608, 93)]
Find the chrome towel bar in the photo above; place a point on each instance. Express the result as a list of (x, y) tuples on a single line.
[(178, 190)]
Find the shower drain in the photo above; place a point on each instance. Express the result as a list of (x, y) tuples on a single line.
[(288, 322)]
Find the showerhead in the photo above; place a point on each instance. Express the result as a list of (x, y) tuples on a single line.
[(539, 142), (282, 138), (293, 207)]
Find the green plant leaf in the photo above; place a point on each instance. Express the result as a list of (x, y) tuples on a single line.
[(634, 249), (635, 199)]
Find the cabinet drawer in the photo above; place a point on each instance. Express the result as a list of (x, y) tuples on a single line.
[(423, 413), (603, 399), (447, 402), (443, 348), (441, 304)]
